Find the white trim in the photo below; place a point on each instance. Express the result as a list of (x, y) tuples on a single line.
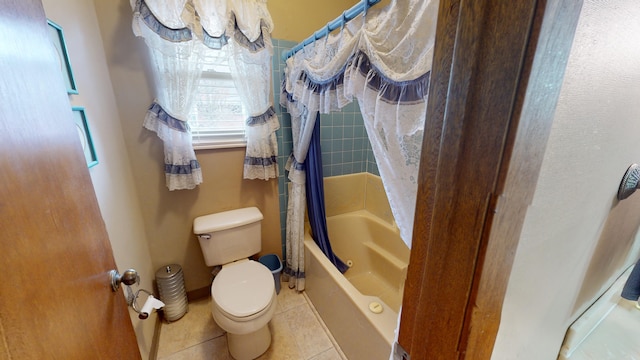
[(220, 144)]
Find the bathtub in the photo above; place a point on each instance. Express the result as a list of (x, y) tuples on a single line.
[(350, 304)]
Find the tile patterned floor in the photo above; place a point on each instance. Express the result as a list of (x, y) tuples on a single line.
[(296, 329)]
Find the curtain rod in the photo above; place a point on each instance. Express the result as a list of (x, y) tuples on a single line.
[(338, 22)]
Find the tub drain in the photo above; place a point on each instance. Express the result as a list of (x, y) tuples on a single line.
[(375, 307), (349, 263)]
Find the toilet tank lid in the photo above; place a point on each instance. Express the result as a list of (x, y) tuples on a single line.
[(226, 220)]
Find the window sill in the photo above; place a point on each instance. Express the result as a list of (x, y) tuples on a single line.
[(219, 145)]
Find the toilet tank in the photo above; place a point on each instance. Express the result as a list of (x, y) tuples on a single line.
[(229, 236)]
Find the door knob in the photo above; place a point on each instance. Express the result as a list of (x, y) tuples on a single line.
[(630, 182), (128, 277)]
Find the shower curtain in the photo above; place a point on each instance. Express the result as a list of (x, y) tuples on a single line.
[(383, 58), (315, 199), (302, 124)]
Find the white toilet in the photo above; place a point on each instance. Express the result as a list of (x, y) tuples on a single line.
[(243, 292)]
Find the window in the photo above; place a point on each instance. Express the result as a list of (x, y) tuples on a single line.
[(217, 117)]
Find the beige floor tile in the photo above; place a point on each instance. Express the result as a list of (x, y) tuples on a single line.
[(215, 349), (195, 327), (307, 331), (288, 299), (283, 346), (330, 354), (296, 332)]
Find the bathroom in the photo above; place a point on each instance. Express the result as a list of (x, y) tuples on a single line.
[(150, 226)]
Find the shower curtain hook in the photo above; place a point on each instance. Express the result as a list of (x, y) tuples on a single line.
[(366, 8), (344, 20), (342, 25), (326, 38)]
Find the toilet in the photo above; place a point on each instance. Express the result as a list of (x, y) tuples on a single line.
[(243, 294)]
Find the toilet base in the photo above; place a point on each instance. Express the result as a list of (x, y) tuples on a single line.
[(249, 346)]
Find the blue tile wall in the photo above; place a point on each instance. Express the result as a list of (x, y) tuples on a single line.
[(343, 139)]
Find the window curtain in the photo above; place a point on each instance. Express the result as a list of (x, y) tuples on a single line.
[(176, 61), (179, 33), (250, 65), (383, 58)]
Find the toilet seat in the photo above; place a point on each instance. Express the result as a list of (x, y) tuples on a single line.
[(251, 317), (243, 290)]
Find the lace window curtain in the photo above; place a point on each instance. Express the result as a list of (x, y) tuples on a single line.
[(384, 60), (250, 64), (178, 34)]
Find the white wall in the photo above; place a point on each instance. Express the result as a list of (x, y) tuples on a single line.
[(577, 238), (112, 177)]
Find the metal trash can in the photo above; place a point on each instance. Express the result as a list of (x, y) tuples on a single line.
[(272, 261), (170, 280)]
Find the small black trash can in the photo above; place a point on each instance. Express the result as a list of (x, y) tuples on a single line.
[(272, 261)]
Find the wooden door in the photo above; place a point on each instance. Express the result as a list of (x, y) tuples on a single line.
[(498, 68), (55, 296)]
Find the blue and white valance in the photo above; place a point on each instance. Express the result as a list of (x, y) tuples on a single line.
[(214, 42), (212, 21), (146, 15), (393, 92), (329, 95), (262, 42), (322, 86)]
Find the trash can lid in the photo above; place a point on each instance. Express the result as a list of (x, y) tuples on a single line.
[(168, 271)]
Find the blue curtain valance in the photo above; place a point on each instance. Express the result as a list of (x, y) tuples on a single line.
[(214, 42), (167, 33), (395, 92)]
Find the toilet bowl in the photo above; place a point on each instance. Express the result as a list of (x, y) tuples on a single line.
[(243, 297), (243, 294), (243, 303)]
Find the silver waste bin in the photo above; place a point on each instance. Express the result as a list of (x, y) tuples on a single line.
[(170, 280)]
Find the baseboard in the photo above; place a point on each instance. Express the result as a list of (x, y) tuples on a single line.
[(155, 342), (198, 294)]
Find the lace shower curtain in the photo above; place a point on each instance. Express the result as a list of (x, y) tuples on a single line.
[(302, 124), (384, 60), (178, 34)]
